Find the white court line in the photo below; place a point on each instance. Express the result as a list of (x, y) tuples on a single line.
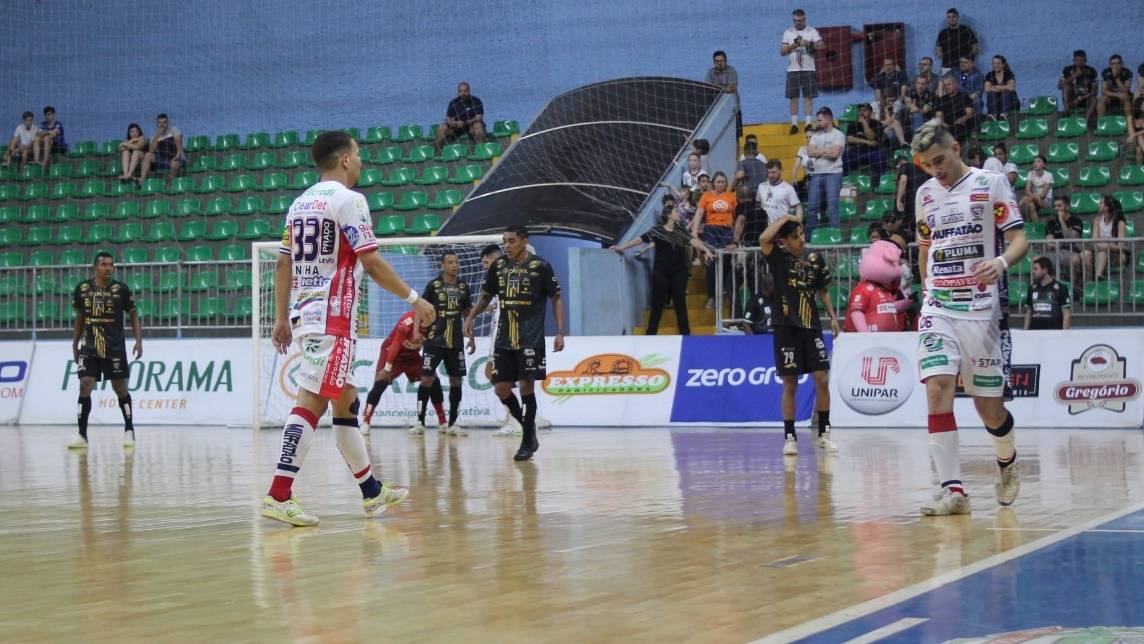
[(888, 630), (874, 605)]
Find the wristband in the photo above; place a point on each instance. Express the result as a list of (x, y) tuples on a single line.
[(1004, 262), (389, 366), (412, 297)]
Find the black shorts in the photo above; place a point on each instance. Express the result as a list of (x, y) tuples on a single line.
[(514, 365), (114, 367), (799, 351), (432, 356)]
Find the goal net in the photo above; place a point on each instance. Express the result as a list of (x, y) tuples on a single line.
[(417, 260)]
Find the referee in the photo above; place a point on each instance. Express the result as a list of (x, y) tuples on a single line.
[(98, 345)]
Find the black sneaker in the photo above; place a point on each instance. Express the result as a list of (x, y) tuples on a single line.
[(528, 447), (793, 129), (809, 127)]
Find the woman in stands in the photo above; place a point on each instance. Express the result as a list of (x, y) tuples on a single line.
[(1001, 90), (1135, 138), (671, 267), (133, 149), (715, 217), (1109, 224)]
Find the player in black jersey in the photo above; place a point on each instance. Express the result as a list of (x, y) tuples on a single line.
[(521, 282), (98, 346), (798, 344), (444, 341)]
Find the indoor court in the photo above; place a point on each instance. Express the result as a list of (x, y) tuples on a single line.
[(654, 534)]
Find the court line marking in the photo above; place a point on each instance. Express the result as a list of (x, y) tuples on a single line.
[(1095, 530), (851, 613), (903, 624)]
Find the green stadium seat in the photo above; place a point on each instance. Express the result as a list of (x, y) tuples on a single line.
[(200, 281), (377, 135), (311, 136), (1061, 177), (387, 155), (847, 210), (240, 183), (41, 258), (1131, 175), (173, 309), (1136, 291), (243, 307), (11, 258), (7, 173), (155, 209), (153, 187), (859, 182), (167, 255), (1093, 177), (431, 133), (82, 149), (505, 129), (96, 212), (37, 235), (418, 154), (221, 231), (62, 190), (217, 206), (1084, 203), (1018, 291), (108, 148), (1035, 230), (1130, 228), (210, 183), (399, 177), (168, 281), (453, 152), (262, 161), (826, 236), (44, 284), (1103, 151), (887, 184), (36, 215), (254, 229), (1070, 127), (181, 185), (9, 214), (161, 232), (133, 255), (256, 140), (303, 180), (1023, 153), (284, 139), (279, 205), (432, 175), (1086, 232), (1023, 267), (9, 192), (187, 207), (233, 252), (233, 162), (205, 163), (237, 279), (33, 192), (10, 236), (1111, 126), (249, 205), (74, 257), (407, 133), (199, 254), (876, 209), (1033, 128), (11, 285), (389, 225), (1042, 106), (125, 210), (380, 201), (67, 235), (120, 189), (191, 231), (369, 177), (65, 212), (1131, 200), (847, 269), (423, 224), (61, 170), (486, 151), (465, 174), (138, 282), (412, 200), (99, 234), (48, 311), (198, 144), (292, 159), (445, 200), (208, 308), (354, 133), (273, 181), (1101, 292), (363, 154), (1063, 152), (225, 142), (849, 113), (129, 233), (31, 173)]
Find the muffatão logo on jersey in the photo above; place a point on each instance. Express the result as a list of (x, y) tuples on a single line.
[(609, 373)]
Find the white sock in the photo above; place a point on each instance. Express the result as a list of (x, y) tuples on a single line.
[(352, 446), (808, 120), (945, 450), (794, 119)]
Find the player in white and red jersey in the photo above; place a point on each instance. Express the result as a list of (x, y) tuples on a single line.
[(400, 354), (969, 232), (328, 241)]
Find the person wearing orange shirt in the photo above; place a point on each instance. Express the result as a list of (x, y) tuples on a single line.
[(714, 223)]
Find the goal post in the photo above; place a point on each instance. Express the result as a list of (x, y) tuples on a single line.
[(417, 261)]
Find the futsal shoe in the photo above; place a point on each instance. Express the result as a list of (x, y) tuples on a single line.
[(947, 503), (287, 511), (527, 449), (1009, 484), (416, 430), (364, 428), (389, 497), (790, 446), (129, 439), (543, 423), (453, 430), (824, 443), (79, 442), (511, 428)]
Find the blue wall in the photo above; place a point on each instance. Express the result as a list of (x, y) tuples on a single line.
[(229, 66)]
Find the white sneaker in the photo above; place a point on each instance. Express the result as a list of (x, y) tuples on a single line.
[(79, 442), (947, 503), (1009, 484), (453, 430), (129, 439), (790, 446), (287, 511), (824, 443), (389, 497), (511, 428), (543, 423), (416, 430), (363, 427)]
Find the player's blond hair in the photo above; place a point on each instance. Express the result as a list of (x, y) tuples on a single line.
[(931, 133)]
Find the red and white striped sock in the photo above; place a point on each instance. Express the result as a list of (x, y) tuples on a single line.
[(944, 448), (297, 436), (352, 446)]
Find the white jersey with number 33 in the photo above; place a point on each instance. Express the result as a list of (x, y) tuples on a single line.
[(964, 225), (327, 227)]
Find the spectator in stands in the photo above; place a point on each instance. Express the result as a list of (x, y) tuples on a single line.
[(799, 45), (1048, 304), (50, 139), (1038, 190), (750, 218), (890, 81), (777, 197), (23, 142), (893, 134), (165, 152), (976, 160), (714, 224), (1000, 163), (751, 171), (909, 178), (954, 42), (722, 74), (759, 317), (920, 102), (132, 150), (955, 109), (752, 142), (1064, 225), (691, 172), (465, 114), (1135, 138), (685, 200), (1116, 88), (1109, 224), (824, 164), (1001, 90), (800, 172), (864, 143), (1078, 85), (925, 70), (875, 232), (971, 82)]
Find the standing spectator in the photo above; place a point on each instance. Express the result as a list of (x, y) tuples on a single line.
[(801, 166), (920, 102), (714, 224), (1135, 138), (23, 142), (752, 142), (1038, 190), (892, 82), (1001, 89), (777, 197), (799, 45), (925, 70), (1048, 304), (132, 148), (1109, 224), (50, 139), (722, 74), (751, 171), (954, 42), (692, 171), (970, 82), (864, 143), (465, 114), (825, 167), (955, 111), (1064, 225), (165, 151), (1116, 88), (909, 178), (750, 218), (1078, 84), (759, 318)]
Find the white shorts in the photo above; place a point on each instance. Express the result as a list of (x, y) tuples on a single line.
[(325, 364), (969, 348)]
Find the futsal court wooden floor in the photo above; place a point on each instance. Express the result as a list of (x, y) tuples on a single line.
[(633, 535)]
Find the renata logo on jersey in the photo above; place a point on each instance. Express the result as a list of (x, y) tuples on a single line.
[(1098, 380), (877, 381), (953, 268), (609, 373), (965, 229)]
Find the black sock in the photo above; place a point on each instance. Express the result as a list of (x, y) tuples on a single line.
[(454, 403), (823, 421), (788, 429), (83, 411), (355, 406), (528, 423), (422, 402), (513, 406), (374, 395), (436, 394), (125, 409)]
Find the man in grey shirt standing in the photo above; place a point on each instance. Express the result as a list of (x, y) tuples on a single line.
[(727, 77)]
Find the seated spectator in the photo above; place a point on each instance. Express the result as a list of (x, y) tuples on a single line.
[(1048, 304), (714, 224), (890, 82), (1001, 90), (752, 140), (1109, 225), (919, 103), (760, 313), (976, 159), (925, 70), (893, 134), (873, 305), (1135, 138), (1038, 190), (751, 171), (23, 142), (1000, 163), (864, 143), (875, 232), (1116, 88), (692, 171), (777, 197), (164, 152), (132, 149), (1078, 85), (50, 139), (955, 110), (465, 114), (1064, 225), (971, 82)]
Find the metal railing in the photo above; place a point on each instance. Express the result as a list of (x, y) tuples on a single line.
[(1116, 298)]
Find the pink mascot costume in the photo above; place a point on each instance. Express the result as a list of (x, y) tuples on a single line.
[(874, 305)]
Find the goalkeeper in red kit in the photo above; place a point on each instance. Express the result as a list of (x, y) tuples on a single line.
[(400, 354)]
